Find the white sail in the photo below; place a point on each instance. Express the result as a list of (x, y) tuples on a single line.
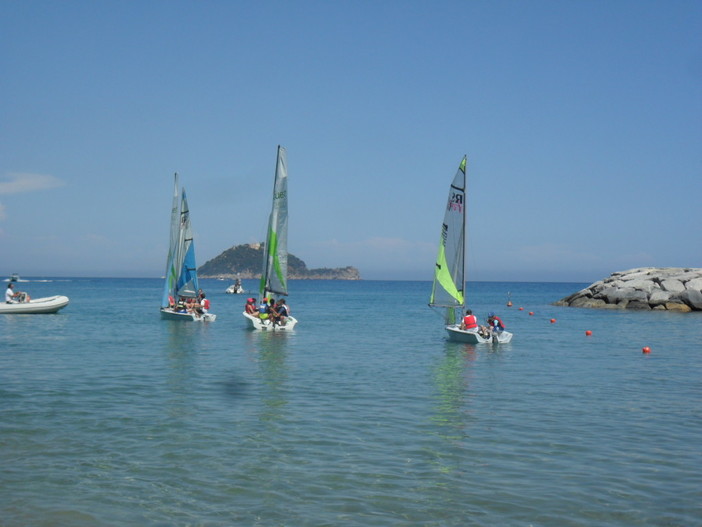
[(171, 272), (274, 278), (449, 273)]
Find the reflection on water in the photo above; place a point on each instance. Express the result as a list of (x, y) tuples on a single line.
[(269, 350), (451, 417), (451, 378), (180, 352)]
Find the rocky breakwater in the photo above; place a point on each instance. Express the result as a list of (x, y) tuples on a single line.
[(657, 288)]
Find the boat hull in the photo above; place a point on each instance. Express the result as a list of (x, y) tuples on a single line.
[(265, 325), (169, 314), (456, 334), (37, 306)]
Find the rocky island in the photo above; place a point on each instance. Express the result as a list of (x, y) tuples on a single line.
[(646, 288), (245, 261)]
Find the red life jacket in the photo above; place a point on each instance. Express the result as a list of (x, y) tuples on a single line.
[(206, 304), (470, 321)]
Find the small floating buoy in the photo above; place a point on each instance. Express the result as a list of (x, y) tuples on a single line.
[(509, 303), (588, 333), (553, 321), (531, 313), (646, 349), (521, 309)]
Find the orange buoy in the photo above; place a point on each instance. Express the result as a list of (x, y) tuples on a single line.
[(646, 349), (553, 321), (531, 313), (588, 333)]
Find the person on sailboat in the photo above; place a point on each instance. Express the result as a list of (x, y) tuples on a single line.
[(470, 321), (190, 304), (272, 311), (280, 312), (181, 306), (250, 307), (263, 309), (495, 323), (204, 305)]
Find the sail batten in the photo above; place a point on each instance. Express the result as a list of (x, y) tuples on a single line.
[(449, 272)]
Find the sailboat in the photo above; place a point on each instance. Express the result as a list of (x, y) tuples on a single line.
[(274, 277), (181, 286), (448, 290)]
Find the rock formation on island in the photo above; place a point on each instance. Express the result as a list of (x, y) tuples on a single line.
[(657, 288), (245, 261)]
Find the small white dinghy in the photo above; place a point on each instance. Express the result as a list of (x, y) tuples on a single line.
[(235, 289), (472, 336), (36, 306)]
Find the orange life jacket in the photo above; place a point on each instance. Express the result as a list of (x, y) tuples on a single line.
[(470, 321)]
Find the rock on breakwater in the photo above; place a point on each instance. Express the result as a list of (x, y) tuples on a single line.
[(646, 288)]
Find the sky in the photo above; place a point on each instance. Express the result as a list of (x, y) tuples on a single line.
[(581, 120)]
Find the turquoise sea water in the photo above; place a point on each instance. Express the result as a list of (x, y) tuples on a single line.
[(364, 416)]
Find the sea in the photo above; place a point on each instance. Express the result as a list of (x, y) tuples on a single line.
[(365, 415)]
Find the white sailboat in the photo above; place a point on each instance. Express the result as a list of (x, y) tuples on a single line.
[(274, 278), (181, 285), (448, 289)]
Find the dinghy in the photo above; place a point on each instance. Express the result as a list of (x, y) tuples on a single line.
[(35, 306), (235, 289), (274, 278), (181, 285), (448, 289)]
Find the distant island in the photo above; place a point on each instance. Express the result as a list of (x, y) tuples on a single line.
[(245, 261)]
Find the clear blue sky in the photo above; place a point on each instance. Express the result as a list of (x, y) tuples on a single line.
[(582, 122)]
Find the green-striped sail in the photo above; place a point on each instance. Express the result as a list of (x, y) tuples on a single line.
[(274, 278), (449, 273)]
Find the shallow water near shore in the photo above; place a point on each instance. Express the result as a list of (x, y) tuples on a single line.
[(365, 415)]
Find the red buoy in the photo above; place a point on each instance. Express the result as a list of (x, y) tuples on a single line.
[(646, 349), (531, 313), (588, 333), (553, 321), (521, 309)]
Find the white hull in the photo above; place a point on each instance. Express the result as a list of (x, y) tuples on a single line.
[(471, 336), (169, 314), (49, 304), (265, 325)]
